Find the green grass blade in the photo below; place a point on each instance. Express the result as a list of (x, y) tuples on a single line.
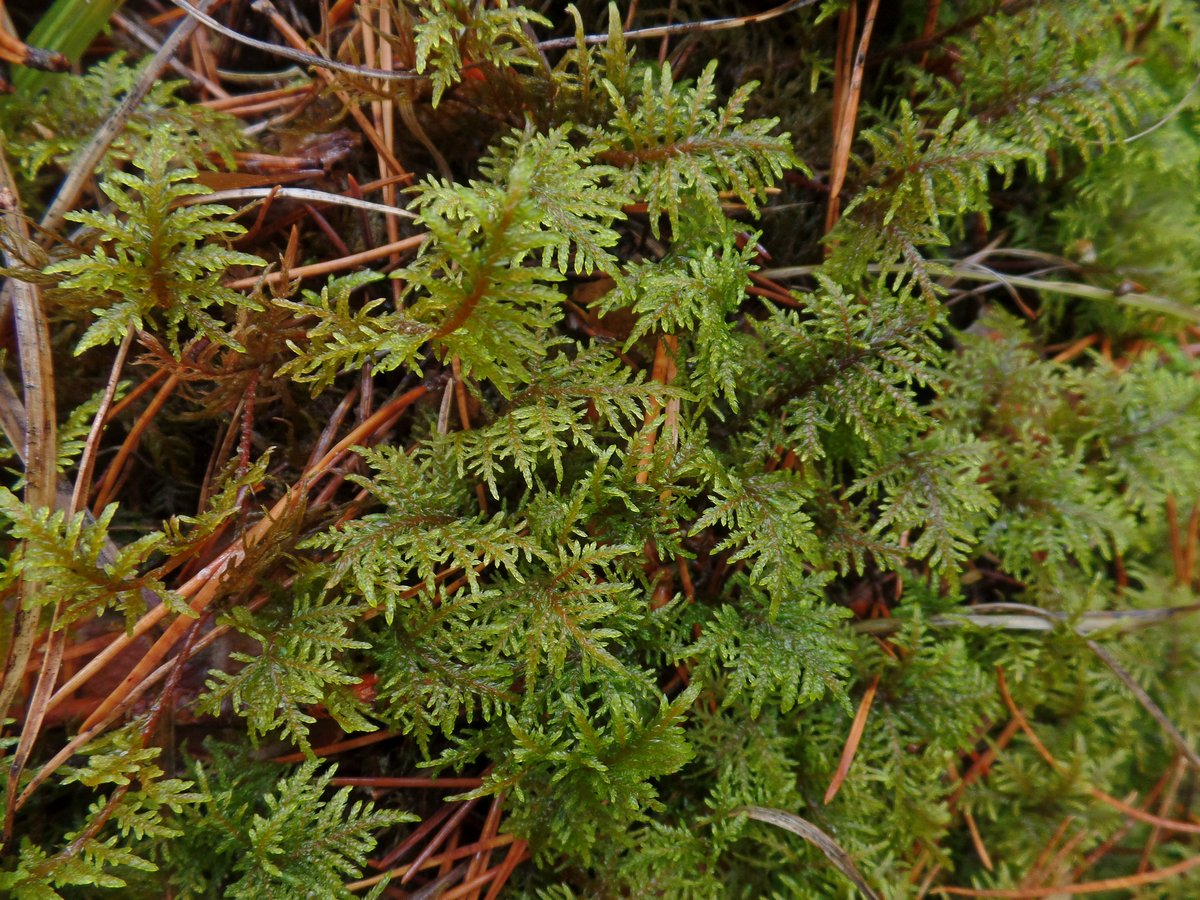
[(68, 27)]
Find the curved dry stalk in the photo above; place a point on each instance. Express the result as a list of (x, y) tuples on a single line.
[(311, 59), (299, 56), (833, 852), (682, 28)]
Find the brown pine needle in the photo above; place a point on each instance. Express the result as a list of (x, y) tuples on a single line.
[(856, 732), (977, 840), (1019, 718), (1036, 872), (1176, 539), (440, 838), (333, 265), (1141, 815), (500, 840), (986, 758), (1087, 887), (413, 781), (515, 856), (1190, 543), (364, 740)]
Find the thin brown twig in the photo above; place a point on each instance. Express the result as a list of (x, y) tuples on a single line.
[(1174, 537), (413, 840), (481, 862), (977, 840), (1108, 799), (412, 781), (337, 747), (1089, 887), (1191, 540), (1043, 858), (98, 821), (293, 37), (333, 265), (85, 735), (238, 101)]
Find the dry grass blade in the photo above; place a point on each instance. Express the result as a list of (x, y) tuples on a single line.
[(41, 443), (300, 194), (835, 854)]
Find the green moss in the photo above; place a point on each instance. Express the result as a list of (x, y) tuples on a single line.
[(617, 556)]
